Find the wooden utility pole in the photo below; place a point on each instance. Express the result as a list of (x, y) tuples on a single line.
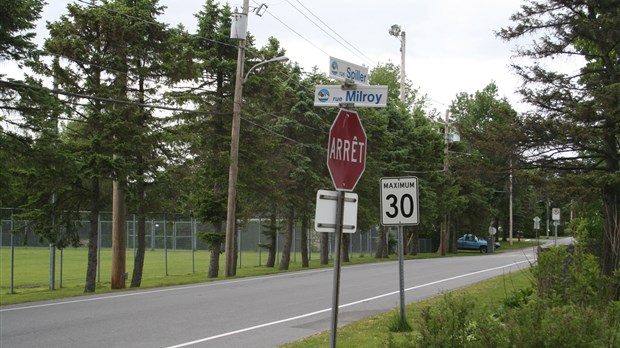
[(510, 218), (446, 165), (229, 246), (118, 236), (402, 67)]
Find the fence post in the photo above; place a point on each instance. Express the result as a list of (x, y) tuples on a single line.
[(193, 241), (260, 248), (60, 283), (134, 236), (239, 244), (52, 266), (174, 234), (12, 254), (165, 246), (100, 232)]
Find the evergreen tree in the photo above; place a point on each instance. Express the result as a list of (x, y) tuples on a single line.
[(574, 127)]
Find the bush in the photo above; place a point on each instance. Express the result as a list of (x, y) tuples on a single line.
[(455, 322), (544, 324), (569, 275)]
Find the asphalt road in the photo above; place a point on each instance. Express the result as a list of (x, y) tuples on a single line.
[(251, 312)]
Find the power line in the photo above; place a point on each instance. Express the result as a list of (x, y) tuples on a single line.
[(13, 84), (107, 100), (335, 32), (294, 31)]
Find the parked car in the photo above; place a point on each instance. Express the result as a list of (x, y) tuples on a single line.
[(471, 242)]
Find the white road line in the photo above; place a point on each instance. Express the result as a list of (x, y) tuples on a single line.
[(210, 338)]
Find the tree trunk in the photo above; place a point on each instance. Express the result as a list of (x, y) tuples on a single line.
[(610, 260), (324, 248), (235, 248), (305, 260), (452, 237), (414, 237), (91, 268), (346, 241), (272, 234), (216, 251), (138, 262), (382, 247), (214, 260), (285, 260)]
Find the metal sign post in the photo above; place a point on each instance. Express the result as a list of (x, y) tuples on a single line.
[(537, 229), (336, 289), (399, 207), (555, 215)]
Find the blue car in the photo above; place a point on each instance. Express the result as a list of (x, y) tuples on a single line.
[(471, 242)]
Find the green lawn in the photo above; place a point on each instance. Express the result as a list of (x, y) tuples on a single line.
[(31, 269)]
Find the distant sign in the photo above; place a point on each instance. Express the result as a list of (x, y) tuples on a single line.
[(555, 214), (537, 223), (362, 96), (345, 71)]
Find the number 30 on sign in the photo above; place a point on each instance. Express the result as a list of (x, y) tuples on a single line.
[(399, 201)]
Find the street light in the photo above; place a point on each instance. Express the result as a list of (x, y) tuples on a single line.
[(397, 33), (234, 153), (276, 59)]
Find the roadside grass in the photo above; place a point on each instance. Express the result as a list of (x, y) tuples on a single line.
[(523, 244), (375, 331), (31, 270)]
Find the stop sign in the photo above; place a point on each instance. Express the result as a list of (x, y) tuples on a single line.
[(346, 150)]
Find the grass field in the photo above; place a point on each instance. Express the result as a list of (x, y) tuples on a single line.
[(31, 269)]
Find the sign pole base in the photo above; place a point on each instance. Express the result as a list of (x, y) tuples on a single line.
[(336, 289)]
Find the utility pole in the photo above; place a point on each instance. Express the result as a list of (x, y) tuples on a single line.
[(397, 33), (446, 167), (510, 219), (118, 232), (402, 67), (118, 236), (229, 246)]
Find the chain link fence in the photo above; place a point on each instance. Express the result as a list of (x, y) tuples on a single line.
[(170, 234)]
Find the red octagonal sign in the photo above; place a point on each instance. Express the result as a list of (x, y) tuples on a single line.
[(346, 150)]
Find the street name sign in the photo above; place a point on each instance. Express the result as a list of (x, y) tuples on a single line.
[(325, 213), (399, 201), (360, 96), (346, 150), (347, 72)]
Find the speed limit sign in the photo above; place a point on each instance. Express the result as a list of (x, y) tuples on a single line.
[(399, 201)]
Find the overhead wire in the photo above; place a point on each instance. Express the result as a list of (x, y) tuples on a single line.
[(294, 31), (323, 30), (373, 63), (14, 84), (108, 100), (365, 57)]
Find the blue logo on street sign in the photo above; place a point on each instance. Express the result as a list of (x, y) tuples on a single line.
[(323, 95), (334, 67)]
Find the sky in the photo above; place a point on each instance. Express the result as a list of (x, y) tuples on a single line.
[(450, 44)]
